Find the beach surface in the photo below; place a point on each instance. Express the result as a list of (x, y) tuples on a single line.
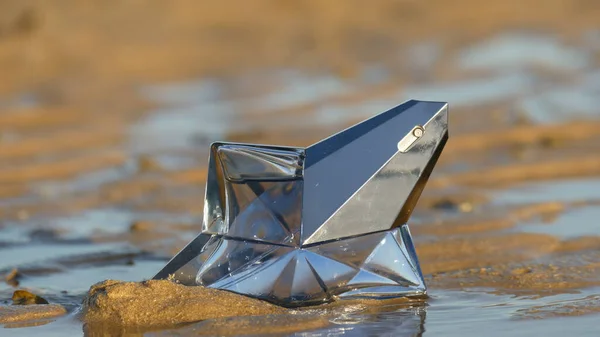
[(107, 110)]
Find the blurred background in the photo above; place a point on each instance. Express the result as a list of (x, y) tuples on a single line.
[(107, 109)]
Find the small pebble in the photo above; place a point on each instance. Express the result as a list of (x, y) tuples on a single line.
[(24, 297), (13, 277)]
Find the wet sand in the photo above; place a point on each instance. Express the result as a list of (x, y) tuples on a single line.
[(153, 304), (106, 116)]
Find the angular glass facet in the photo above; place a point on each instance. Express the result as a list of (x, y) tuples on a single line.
[(245, 162), (333, 274), (254, 192), (301, 226), (359, 182), (267, 211)]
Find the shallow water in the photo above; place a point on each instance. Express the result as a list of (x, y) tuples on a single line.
[(469, 312), (65, 234)]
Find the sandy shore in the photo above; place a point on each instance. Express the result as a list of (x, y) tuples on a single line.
[(72, 103)]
